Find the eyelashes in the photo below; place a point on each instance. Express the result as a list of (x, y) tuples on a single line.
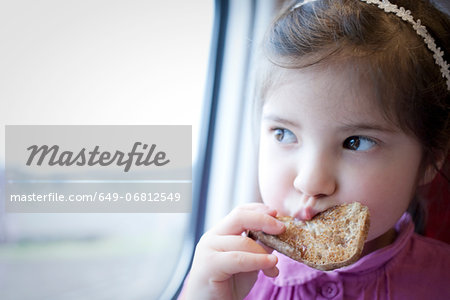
[(359, 143), (352, 143), (284, 136)]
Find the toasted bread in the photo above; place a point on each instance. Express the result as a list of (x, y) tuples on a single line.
[(332, 239)]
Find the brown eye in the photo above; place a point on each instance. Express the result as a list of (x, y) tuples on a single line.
[(352, 143), (358, 143), (278, 134), (284, 136)]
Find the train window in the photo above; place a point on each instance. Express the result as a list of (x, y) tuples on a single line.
[(98, 62), (229, 172)]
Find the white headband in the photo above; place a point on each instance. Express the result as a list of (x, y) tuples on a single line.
[(421, 30)]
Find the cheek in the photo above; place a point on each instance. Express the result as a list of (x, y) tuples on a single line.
[(274, 179), (387, 196)]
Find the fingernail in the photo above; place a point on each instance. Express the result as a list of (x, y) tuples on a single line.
[(271, 211), (280, 224), (273, 258)]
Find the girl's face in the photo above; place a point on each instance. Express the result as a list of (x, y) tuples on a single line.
[(323, 143)]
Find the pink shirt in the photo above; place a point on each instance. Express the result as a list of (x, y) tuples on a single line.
[(413, 267)]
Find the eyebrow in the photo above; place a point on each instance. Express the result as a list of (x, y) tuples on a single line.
[(344, 127), (367, 126), (277, 119)]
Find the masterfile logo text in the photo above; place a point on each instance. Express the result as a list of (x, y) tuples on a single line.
[(68, 168)]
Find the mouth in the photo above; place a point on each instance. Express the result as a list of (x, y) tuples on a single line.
[(307, 208), (305, 213)]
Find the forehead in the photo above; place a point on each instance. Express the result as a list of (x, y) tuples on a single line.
[(333, 88)]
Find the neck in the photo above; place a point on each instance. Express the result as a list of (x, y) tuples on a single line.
[(382, 241)]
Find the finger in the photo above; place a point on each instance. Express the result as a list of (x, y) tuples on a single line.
[(240, 220), (271, 272), (237, 262), (266, 248), (236, 243), (258, 207)]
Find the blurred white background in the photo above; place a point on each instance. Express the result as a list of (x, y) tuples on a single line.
[(97, 62)]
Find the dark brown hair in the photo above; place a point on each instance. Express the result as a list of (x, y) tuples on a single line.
[(382, 48)]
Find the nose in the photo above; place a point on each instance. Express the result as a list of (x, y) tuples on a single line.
[(315, 176)]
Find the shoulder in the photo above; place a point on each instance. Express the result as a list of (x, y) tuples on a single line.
[(416, 252), (427, 248), (424, 261)]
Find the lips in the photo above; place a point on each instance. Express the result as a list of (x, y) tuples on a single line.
[(301, 209), (305, 208), (306, 213)]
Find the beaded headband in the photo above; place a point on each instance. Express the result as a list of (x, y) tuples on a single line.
[(421, 30)]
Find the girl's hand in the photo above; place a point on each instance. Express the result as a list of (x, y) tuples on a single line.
[(226, 263)]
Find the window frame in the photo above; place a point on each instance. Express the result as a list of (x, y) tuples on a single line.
[(202, 165), (225, 172)]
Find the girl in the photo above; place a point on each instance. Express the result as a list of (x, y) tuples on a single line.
[(354, 106)]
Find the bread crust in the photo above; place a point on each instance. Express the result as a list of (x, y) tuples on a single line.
[(332, 239)]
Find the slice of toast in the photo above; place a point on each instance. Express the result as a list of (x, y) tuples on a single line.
[(332, 239)]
